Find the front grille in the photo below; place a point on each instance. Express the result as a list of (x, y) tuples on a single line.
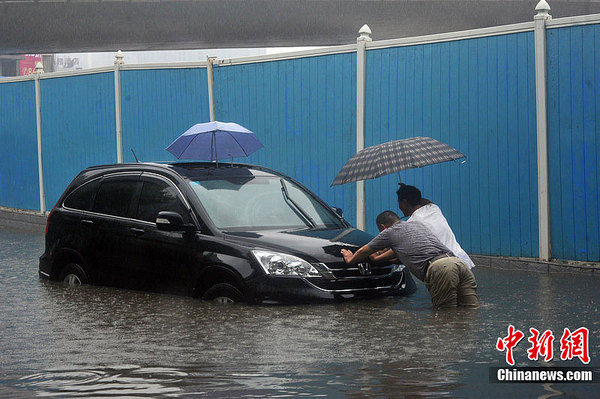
[(342, 276), (343, 270)]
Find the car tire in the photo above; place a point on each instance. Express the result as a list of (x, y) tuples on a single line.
[(73, 274), (223, 293)]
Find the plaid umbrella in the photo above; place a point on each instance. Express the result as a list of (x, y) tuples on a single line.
[(394, 156)]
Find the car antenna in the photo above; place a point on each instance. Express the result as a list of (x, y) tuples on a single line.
[(136, 158)]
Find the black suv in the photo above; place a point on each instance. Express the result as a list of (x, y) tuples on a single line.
[(227, 233)]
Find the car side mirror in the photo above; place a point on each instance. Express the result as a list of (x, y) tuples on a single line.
[(171, 221), (338, 211)]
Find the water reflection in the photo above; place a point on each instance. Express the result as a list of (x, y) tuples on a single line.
[(97, 341)]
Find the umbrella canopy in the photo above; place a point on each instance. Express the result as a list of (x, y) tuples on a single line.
[(394, 156), (213, 141)]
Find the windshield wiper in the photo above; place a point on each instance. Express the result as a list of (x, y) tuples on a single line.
[(286, 195)]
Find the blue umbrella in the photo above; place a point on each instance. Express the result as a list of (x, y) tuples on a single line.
[(213, 141)]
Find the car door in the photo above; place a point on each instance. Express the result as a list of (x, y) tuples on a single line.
[(106, 227), (163, 261), (77, 205)]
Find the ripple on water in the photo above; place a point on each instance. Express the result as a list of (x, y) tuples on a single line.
[(129, 381)]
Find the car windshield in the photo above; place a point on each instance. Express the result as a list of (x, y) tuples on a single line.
[(257, 203)]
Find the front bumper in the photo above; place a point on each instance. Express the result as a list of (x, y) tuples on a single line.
[(299, 289)]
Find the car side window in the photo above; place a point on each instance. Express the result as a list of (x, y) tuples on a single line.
[(83, 197), (114, 197), (159, 196)]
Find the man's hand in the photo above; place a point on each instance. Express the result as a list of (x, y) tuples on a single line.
[(362, 253), (347, 254)]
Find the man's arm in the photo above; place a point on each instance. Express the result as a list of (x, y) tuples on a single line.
[(383, 255), (361, 254)]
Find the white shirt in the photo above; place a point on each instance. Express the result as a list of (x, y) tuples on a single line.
[(431, 216)]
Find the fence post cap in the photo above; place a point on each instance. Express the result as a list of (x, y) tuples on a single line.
[(39, 68), (365, 34), (543, 9), (119, 58)]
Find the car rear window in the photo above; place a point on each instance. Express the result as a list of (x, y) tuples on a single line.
[(114, 197), (83, 197)]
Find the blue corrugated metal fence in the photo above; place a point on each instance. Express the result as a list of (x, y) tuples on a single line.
[(574, 141), (78, 125), (19, 185), (477, 95), (157, 106)]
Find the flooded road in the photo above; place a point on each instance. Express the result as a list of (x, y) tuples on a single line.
[(61, 341)]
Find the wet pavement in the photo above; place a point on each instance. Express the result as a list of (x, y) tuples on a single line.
[(59, 341)]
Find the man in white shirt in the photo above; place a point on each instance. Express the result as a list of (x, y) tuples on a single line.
[(420, 209)]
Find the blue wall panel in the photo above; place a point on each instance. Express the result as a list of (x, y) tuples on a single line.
[(19, 182), (78, 128), (478, 96), (574, 141), (304, 112), (157, 106)]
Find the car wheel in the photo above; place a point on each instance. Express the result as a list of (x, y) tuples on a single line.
[(223, 293), (73, 274)]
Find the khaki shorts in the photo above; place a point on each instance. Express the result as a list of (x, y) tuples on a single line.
[(450, 283)]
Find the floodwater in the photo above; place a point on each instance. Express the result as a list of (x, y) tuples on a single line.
[(59, 341)]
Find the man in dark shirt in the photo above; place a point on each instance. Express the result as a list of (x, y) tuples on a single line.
[(449, 281)]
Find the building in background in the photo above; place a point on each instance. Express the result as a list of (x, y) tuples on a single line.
[(28, 63), (75, 61), (21, 65), (24, 64), (9, 65)]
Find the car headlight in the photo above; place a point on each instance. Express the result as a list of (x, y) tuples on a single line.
[(280, 264)]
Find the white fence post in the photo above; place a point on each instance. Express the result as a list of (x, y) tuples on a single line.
[(361, 77), (118, 62), (211, 86), (540, 19), (39, 69)]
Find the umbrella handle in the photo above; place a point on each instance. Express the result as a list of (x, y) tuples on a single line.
[(213, 143)]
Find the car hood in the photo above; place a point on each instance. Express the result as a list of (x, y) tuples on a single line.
[(311, 245)]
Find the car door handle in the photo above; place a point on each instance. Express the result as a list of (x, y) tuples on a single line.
[(87, 222), (136, 231)]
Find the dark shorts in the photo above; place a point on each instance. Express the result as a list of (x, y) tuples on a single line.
[(450, 283)]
